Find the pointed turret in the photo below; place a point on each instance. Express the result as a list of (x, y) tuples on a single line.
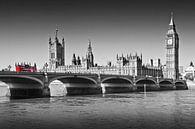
[(78, 61), (49, 40), (172, 20), (172, 28), (89, 56), (74, 59), (117, 57), (191, 64), (63, 42), (89, 47), (56, 35)]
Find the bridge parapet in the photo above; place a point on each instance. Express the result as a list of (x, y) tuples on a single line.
[(138, 78), (25, 84), (166, 79), (56, 76), (36, 76), (125, 77), (37, 83)]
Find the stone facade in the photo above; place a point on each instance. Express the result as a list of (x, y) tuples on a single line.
[(88, 61), (132, 65), (172, 52), (56, 53), (129, 65), (125, 65), (189, 72)]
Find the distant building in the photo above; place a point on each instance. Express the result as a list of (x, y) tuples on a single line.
[(86, 65), (189, 72), (129, 65), (125, 65), (88, 61), (132, 65), (153, 69), (56, 53), (76, 61), (172, 51)]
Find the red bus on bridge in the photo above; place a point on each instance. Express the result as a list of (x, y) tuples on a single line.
[(23, 67)]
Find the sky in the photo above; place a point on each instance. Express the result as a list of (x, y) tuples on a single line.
[(113, 26)]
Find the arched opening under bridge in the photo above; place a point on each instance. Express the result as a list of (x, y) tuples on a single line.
[(57, 88), (116, 85), (23, 86), (4, 89), (79, 85), (166, 85), (146, 84), (180, 85)]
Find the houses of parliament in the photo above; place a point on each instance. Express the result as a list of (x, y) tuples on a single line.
[(131, 64)]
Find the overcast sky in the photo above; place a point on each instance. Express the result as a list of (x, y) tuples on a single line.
[(112, 26)]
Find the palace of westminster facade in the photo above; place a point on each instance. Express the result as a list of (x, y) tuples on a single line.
[(131, 64)]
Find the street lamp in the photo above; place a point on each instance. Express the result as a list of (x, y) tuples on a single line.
[(9, 67), (157, 76), (46, 65)]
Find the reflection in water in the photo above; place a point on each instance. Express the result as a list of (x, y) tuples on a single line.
[(167, 109), (57, 88), (4, 90)]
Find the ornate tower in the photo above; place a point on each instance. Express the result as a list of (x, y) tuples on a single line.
[(56, 52), (74, 59), (172, 51), (89, 56)]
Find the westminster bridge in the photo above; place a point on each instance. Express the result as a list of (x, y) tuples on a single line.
[(36, 84)]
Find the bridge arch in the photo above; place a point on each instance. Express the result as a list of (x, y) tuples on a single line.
[(166, 82), (166, 85), (116, 80), (145, 81), (116, 84), (21, 86), (146, 84), (179, 82), (79, 85), (20, 78), (180, 85), (75, 79)]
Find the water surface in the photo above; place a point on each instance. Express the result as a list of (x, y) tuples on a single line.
[(167, 109)]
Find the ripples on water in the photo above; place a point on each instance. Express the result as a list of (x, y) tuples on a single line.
[(162, 110)]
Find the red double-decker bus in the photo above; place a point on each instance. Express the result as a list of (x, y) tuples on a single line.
[(25, 68)]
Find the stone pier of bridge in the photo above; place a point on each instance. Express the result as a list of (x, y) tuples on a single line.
[(25, 85)]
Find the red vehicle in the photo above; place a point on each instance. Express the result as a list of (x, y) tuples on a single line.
[(25, 67)]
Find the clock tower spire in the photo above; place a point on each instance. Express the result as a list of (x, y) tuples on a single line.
[(172, 20), (172, 51)]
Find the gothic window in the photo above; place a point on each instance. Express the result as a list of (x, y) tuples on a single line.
[(52, 55)]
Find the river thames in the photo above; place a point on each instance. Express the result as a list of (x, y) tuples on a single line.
[(151, 110)]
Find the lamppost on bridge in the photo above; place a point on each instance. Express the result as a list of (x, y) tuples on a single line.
[(9, 67), (46, 65), (99, 73), (157, 77)]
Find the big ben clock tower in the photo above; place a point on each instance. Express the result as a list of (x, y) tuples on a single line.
[(172, 51)]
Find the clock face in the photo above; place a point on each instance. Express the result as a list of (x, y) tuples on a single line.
[(169, 41)]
